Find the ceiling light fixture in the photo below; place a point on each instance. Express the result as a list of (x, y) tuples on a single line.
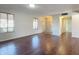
[(32, 5)]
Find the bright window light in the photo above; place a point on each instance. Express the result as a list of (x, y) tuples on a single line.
[(35, 24), (6, 22)]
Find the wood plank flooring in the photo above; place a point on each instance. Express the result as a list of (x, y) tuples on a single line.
[(41, 44)]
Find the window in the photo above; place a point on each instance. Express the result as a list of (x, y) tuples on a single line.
[(35, 24), (10, 23), (6, 22), (3, 22)]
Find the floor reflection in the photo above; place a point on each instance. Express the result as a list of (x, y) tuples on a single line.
[(40, 44), (8, 49), (65, 44), (48, 44), (35, 41)]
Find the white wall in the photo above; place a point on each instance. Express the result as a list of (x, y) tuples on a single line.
[(56, 25), (23, 25), (75, 25)]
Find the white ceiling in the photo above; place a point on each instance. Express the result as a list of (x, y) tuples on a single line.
[(41, 9)]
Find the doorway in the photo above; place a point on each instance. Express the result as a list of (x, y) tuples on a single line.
[(65, 24), (46, 22)]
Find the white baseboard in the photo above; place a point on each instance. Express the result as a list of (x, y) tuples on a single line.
[(17, 37), (75, 36)]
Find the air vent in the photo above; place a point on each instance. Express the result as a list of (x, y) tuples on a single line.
[(64, 14)]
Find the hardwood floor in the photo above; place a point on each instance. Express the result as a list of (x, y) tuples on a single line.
[(41, 44)]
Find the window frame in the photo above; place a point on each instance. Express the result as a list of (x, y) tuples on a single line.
[(34, 20), (7, 22)]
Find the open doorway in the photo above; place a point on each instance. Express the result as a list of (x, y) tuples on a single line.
[(65, 25), (46, 22)]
